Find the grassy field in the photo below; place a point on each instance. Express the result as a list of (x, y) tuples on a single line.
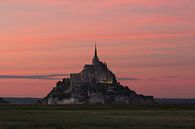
[(97, 117)]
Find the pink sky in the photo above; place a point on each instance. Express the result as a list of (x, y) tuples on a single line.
[(153, 41)]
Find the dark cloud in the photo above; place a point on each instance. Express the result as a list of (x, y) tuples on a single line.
[(51, 77), (47, 77), (128, 79), (164, 78), (160, 80)]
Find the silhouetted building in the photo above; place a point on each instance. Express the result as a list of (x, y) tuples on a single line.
[(95, 84)]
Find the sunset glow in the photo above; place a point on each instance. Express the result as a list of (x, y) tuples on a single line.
[(151, 41)]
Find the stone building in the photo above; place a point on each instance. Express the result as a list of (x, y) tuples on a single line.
[(95, 84)]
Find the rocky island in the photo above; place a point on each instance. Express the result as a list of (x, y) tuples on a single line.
[(95, 84)]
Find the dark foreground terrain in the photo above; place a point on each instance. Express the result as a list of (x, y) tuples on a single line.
[(97, 117)]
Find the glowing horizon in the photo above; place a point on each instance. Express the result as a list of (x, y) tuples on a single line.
[(151, 41)]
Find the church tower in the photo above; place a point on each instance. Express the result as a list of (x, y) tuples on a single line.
[(95, 58)]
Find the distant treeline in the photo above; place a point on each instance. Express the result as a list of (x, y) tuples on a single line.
[(160, 101), (13, 100), (174, 101)]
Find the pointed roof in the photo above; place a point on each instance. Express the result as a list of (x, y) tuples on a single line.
[(95, 51), (95, 58)]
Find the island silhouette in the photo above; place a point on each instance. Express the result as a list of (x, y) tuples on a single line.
[(95, 84)]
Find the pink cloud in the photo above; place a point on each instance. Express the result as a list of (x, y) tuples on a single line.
[(138, 38)]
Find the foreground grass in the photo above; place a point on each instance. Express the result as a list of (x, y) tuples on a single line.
[(43, 117)]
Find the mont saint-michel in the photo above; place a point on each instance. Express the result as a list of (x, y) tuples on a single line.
[(95, 84)]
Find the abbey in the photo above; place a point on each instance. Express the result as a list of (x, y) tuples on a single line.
[(95, 84), (94, 73)]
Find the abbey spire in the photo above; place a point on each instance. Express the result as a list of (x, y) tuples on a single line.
[(95, 58)]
